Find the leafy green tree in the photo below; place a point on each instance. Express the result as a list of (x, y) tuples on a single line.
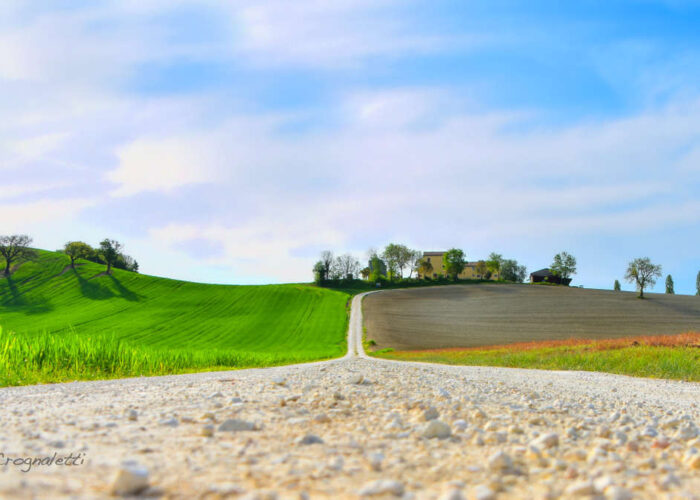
[(642, 272), (77, 250), (617, 287), (397, 257), (320, 273), (494, 262), (454, 262), (365, 272), (425, 268), (564, 265), (376, 266), (669, 285), (15, 248), (512, 271), (482, 269), (110, 251), (126, 262)]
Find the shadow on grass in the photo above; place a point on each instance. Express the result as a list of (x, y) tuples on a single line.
[(92, 290), (124, 292), (29, 305)]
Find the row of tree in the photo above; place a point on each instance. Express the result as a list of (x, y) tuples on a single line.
[(16, 249), (643, 273), (397, 261), (109, 252)]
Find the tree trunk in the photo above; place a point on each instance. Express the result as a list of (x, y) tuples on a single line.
[(641, 292), (72, 262), (7, 267), (109, 267)]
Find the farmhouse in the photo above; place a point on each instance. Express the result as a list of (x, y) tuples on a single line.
[(546, 275), (470, 270)]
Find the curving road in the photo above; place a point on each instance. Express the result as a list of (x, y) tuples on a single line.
[(356, 427)]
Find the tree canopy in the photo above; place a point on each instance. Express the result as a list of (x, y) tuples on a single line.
[(77, 250), (669, 285), (512, 271), (642, 272), (494, 261), (110, 251), (397, 257), (425, 267), (454, 262), (563, 265), (15, 248)]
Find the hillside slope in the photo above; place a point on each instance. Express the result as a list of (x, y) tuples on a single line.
[(48, 296), (489, 314)]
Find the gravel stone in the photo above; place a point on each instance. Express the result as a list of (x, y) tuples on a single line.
[(436, 429), (382, 487), (131, 479), (235, 425), (310, 439)]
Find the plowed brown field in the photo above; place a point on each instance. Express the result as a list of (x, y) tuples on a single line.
[(489, 314)]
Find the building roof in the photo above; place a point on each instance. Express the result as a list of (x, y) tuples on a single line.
[(546, 272), (433, 254)]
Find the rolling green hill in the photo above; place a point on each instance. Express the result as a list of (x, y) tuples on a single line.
[(46, 301)]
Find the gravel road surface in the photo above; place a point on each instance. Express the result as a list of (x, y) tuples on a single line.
[(354, 428)]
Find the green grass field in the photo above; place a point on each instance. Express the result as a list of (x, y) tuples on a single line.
[(64, 324)]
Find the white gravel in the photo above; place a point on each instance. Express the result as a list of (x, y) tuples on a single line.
[(356, 427)]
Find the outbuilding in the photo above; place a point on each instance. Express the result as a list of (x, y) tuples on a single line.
[(547, 276)]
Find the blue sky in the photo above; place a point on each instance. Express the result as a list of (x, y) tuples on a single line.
[(232, 141)]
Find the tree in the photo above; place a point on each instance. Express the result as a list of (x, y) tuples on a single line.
[(347, 266), (616, 286), (397, 258), (512, 271), (77, 250), (642, 272), (415, 261), (110, 251), (669, 285), (564, 265), (454, 262), (494, 262), (377, 267), (126, 262), (327, 258), (320, 273), (365, 272), (425, 268), (482, 269), (15, 248)]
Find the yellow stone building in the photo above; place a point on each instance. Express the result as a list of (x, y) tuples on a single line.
[(469, 273)]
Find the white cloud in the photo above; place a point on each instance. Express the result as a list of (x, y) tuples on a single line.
[(19, 216), (328, 34), (163, 165)]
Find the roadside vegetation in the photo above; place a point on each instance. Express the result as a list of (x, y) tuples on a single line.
[(51, 357), (663, 356)]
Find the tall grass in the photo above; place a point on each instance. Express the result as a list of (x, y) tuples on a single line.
[(52, 357)]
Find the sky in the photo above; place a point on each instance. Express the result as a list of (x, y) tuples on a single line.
[(233, 141)]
